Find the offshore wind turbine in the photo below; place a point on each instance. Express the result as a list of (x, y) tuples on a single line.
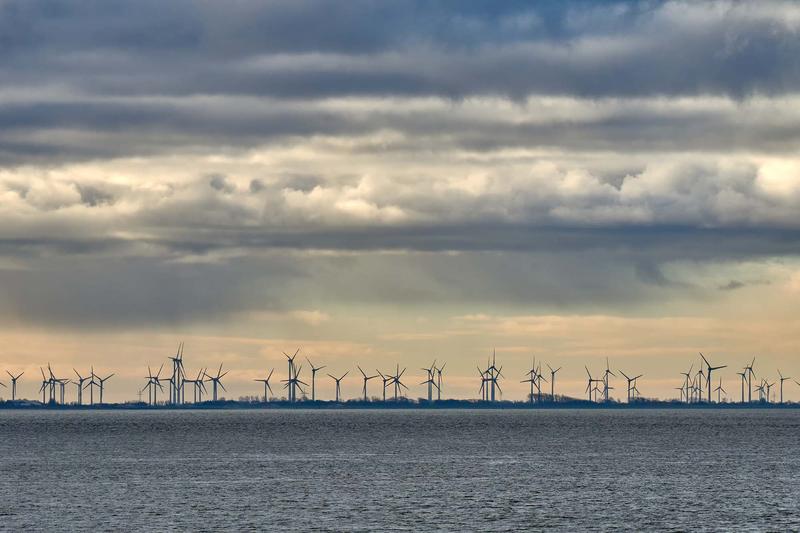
[(397, 383), (631, 384), (291, 383), (178, 377), (386, 381), (719, 389), (102, 384), (531, 379), (708, 376), (553, 382), (484, 389), (783, 378), (606, 386), (590, 382), (769, 386), (539, 378), (314, 370), (492, 373), (686, 382), (14, 384), (79, 383), (338, 383), (92, 383), (199, 386), (265, 381), (439, 381), (294, 382), (430, 381), (152, 383), (760, 390), (743, 375), (217, 381), (45, 386), (750, 375), (366, 379), (60, 382)]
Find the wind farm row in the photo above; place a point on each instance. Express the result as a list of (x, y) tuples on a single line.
[(177, 387)]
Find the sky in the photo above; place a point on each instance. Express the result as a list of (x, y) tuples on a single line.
[(393, 182)]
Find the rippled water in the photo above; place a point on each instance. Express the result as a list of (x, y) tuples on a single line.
[(412, 470)]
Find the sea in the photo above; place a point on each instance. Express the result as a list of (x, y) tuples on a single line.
[(400, 470)]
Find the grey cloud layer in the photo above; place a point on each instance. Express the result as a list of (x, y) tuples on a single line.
[(457, 49), (162, 161)]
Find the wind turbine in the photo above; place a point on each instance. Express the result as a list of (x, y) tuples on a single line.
[(484, 389), (708, 376), (750, 375), (199, 386), (492, 373), (783, 378), (217, 381), (531, 378), (719, 390), (397, 383), (102, 385), (266, 384), (366, 379), (14, 384), (314, 370), (539, 378), (386, 381), (631, 384), (769, 386), (686, 383), (291, 383), (553, 382), (338, 383), (45, 387), (590, 383), (61, 382), (152, 383), (439, 381), (92, 383), (744, 379), (294, 382), (430, 381), (607, 373), (178, 377), (79, 383), (760, 390)]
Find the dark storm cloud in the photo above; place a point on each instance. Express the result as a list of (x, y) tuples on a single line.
[(120, 73), (660, 244), (457, 49), (245, 155)]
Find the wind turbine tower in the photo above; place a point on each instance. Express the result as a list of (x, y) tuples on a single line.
[(783, 378), (553, 382), (217, 381), (14, 384), (314, 370), (102, 385), (265, 381), (708, 375), (338, 384), (439, 381), (366, 379)]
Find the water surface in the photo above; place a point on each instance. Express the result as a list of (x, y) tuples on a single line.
[(400, 470)]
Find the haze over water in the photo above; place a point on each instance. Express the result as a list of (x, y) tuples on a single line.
[(399, 470)]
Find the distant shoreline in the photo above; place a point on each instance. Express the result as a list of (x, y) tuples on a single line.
[(397, 405)]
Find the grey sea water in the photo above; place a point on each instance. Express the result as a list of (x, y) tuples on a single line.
[(400, 470)]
